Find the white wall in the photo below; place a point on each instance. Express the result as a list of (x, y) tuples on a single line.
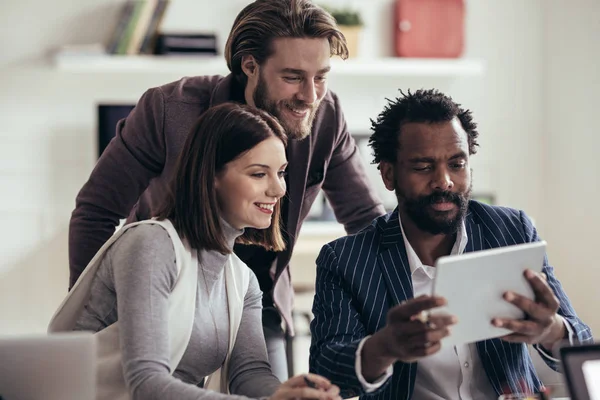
[(571, 140), (47, 135)]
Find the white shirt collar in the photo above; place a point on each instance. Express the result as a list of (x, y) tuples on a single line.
[(415, 262)]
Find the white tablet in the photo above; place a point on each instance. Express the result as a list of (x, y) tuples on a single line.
[(473, 285)]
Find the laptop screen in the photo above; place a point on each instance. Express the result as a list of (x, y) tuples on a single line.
[(581, 365), (591, 373)]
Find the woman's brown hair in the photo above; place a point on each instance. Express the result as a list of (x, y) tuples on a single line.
[(260, 22), (221, 134)]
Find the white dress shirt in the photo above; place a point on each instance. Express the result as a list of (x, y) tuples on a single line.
[(454, 372), (451, 373)]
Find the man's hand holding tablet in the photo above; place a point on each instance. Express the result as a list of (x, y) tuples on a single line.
[(543, 325), (407, 336)]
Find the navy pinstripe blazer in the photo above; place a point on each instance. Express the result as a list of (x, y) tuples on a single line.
[(359, 277)]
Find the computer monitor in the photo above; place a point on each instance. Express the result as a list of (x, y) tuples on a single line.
[(581, 368), (108, 116)]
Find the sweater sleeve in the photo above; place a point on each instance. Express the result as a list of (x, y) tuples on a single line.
[(143, 262), (249, 363)]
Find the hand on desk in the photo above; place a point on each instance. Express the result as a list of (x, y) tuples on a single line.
[(543, 325), (307, 386), (406, 337)]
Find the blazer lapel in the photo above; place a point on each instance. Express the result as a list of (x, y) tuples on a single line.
[(393, 261), (475, 237)]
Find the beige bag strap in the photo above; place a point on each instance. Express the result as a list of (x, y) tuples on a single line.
[(237, 279), (111, 384)]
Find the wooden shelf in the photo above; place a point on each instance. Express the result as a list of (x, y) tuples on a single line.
[(198, 65)]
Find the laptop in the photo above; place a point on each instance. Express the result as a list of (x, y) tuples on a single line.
[(581, 369), (48, 367)]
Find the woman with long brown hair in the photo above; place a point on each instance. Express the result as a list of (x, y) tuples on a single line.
[(176, 313)]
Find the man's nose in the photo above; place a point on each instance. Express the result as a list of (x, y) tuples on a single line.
[(442, 180), (308, 94)]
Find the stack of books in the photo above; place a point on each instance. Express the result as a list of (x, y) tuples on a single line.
[(138, 27)]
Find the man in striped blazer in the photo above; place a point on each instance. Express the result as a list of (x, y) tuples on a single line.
[(372, 287)]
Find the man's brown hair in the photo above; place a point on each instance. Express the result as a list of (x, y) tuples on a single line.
[(222, 134), (262, 21)]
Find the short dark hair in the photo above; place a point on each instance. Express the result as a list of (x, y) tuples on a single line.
[(221, 134), (420, 106), (262, 21)]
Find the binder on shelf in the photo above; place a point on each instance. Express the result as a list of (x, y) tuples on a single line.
[(186, 44)]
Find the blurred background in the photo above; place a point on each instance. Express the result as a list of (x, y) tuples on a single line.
[(528, 69)]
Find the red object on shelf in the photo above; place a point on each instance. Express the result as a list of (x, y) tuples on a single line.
[(429, 28)]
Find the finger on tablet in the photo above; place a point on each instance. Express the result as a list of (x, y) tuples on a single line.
[(541, 289), (519, 326), (534, 310)]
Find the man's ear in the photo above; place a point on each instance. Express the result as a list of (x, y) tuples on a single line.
[(249, 66), (388, 175)]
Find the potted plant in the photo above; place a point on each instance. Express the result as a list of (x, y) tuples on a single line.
[(350, 24)]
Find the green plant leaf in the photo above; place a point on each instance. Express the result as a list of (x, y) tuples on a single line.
[(345, 16)]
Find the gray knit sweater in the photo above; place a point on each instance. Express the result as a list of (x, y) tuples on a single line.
[(133, 284)]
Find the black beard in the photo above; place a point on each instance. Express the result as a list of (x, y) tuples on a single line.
[(436, 222), (261, 100)]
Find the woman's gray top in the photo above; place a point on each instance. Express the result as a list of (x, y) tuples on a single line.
[(133, 284)]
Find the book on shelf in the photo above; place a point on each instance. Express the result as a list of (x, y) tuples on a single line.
[(149, 42), (138, 27), (141, 26)]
